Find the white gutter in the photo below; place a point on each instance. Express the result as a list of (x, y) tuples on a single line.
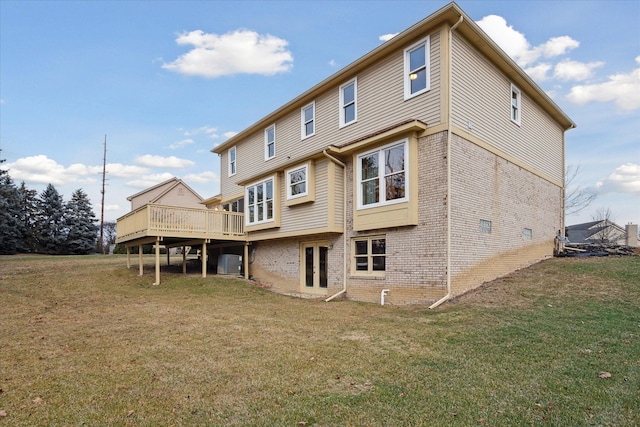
[(449, 126), (344, 224)]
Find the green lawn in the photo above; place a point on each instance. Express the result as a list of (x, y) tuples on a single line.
[(84, 341)]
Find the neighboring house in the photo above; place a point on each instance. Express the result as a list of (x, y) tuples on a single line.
[(428, 166), (173, 192), (602, 231)]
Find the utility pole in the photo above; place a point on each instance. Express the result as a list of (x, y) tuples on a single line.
[(104, 175)]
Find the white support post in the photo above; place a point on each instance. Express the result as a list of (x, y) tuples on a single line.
[(204, 258), (140, 260), (246, 261), (157, 261), (184, 260)]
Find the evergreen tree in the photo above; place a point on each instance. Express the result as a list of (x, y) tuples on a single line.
[(50, 230), (80, 221), (9, 210), (27, 200)]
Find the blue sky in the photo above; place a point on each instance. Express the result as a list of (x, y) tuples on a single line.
[(166, 81)]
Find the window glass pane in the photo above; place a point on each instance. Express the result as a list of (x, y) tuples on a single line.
[(361, 263), (370, 192), (270, 134), (378, 263), (259, 193), (361, 247), (241, 205), (369, 166), (308, 128), (232, 154), (323, 266), (308, 267), (308, 114), (349, 113), (269, 185), (252, 216), (378, 246), (251, 195), (348, 94), (269, 214), (271, 150), (299, 188), (417, 58), (394, 186), (297, 175), (394, 159), (418, 80)]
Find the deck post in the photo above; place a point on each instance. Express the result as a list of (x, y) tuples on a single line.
[(140, 260), (128, 257), (204, 258), (184, 260), (168, 257), (157, 261), (246, 261)]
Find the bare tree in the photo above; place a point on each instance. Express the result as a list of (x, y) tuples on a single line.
[(576, 197), (607, 233)]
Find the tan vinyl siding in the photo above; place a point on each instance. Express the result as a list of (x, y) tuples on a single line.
[(380, 103), (482, 96), (308, 216)]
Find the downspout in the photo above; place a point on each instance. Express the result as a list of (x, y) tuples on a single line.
[(449, 126), (344, 224)]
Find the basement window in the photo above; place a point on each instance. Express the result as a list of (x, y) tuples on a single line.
[(369, 256), (527, 234), (485, 226)]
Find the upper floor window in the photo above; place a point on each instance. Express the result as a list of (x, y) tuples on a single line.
[(348, 110), (259, 199), (382, 175), (416, 69), (516, 109), (308, 120), (270, 142), (232, 161), (297, 182)]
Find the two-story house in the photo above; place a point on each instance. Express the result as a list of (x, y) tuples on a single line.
[(426, 167)]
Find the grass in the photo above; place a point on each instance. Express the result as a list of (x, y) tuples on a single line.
[(84, 341)]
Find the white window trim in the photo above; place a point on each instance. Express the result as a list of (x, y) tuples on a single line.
[(405, 143), (353, 82), (232, 164), (303, 135), (407, 70), (266, 142), (517, 120), (288, 182), (246, 201)]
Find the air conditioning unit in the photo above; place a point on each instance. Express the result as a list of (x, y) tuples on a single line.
[(229, 264)]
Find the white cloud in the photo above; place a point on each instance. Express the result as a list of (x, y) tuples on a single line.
[(40, 169), (573, 70), (202, 178), (181, 144), (539, 72), (515, 44), (625, 179), (622, 89), (238, 52), (207, 130), (333, 63), (152, 161), (229, 134), (387, 37), (147, 181)]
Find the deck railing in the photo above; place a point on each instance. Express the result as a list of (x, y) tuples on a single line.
[(175, 221)]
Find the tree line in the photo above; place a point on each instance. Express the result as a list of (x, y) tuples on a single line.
[(44, 223)]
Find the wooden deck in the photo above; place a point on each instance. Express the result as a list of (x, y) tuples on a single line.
[(162, 222)]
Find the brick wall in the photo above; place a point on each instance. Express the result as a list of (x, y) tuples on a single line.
[(487, 187)]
